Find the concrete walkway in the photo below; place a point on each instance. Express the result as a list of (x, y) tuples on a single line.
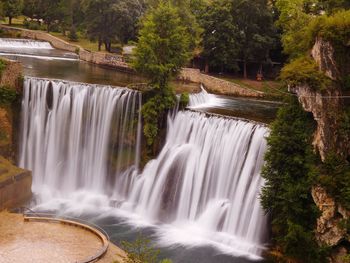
[(48, 242)]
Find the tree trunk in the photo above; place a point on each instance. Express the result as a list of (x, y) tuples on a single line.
[(245, 69), (10, 20), (206, 68), (99, 44)]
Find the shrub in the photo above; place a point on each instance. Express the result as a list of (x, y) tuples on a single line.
[(304, 70), (72, 35), (335, 177), (34, 25), (141, 251), (155, 110), (7, 95), (184, 100), (3, 65)]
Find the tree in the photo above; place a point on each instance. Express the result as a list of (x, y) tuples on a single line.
[(219, 43), (163, 45), (163, 48), (255, 30), (237, 30), (187, 11), (110, 20), (12, 8)]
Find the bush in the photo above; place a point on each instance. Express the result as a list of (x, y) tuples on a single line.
[(72, 35), (335, 177), (7, 95), (141, 251), (34, 25), (184, 100), (304, 70), (3, 65), (154, 111)]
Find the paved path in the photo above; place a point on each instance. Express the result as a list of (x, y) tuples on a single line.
[(47, 242)]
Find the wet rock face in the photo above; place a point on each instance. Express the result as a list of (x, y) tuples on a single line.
[(323, 54), (326, 108), (328, 230)]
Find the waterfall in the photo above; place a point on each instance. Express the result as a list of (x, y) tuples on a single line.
[(24, 43), (201, 99), (76, 136), (205, 182), (207, 176)]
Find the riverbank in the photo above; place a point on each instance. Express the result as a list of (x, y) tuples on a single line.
[(213, 84), (99, 58)]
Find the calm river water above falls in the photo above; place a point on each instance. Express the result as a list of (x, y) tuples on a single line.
[(198, 201)]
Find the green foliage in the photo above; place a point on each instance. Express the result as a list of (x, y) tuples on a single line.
[(154, 111), (289, 174), (163, 46), (304, 70), (187, 10), (293, 20), (12, 8), (3, 65), (184, 100), (7, 95), (346, 83), (335, 177), (108, 21), (141, 251), (32, 25), (237, 30), (72, 35)]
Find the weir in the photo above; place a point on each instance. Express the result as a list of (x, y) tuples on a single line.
[(24, 43), (205, 181)]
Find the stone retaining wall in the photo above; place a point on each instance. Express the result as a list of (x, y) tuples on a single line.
[(216, 85), (11, 75), (15, 185), (99, 58)]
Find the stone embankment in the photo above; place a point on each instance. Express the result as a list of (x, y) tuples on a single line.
[(216, 85), (99, 58), (15, 185)]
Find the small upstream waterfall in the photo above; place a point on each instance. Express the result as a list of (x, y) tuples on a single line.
[(24, 43), (201, 99), (75, 136), (81, 138)]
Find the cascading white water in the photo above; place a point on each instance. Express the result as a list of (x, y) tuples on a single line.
[(207, 176), (201, 99), (205, 183), (24, 43), (71, 130)]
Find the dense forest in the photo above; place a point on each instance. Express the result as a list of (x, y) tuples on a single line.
[(240, 37)]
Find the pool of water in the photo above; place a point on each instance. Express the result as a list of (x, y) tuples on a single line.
[(122, 226)]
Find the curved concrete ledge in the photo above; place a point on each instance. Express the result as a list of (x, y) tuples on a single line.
[(94, 230)]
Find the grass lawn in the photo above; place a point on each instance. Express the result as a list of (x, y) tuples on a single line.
[(82, 41), (272, 88)]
